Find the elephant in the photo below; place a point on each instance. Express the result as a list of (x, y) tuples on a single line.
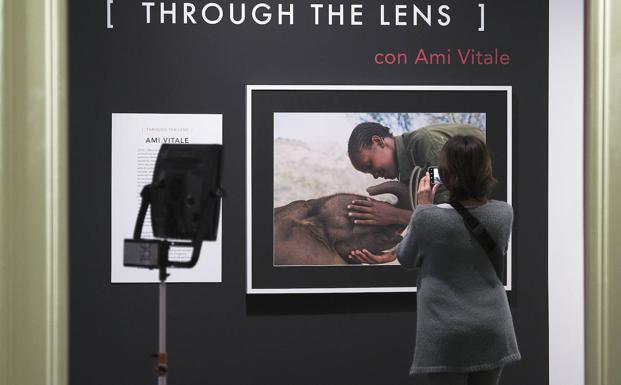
[(319, 231)]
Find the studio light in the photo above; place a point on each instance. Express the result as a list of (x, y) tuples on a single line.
[(184, 196)]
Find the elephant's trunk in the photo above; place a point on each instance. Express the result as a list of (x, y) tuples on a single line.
[(398, 189)]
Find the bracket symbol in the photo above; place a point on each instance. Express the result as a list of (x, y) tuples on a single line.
[(109, 14)]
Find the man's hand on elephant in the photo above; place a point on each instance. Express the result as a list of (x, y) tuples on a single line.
[(365, 256), (372, 212)]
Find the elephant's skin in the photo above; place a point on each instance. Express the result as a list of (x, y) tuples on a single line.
[(319, 231)]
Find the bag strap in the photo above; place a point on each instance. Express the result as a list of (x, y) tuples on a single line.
[(496, 256)]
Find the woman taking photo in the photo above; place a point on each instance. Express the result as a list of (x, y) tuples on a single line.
[(464, 330)]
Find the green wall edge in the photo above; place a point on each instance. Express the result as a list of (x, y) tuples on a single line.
[(603, 187), (33, 193)]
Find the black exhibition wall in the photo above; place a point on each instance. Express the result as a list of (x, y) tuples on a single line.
[(216, 332)]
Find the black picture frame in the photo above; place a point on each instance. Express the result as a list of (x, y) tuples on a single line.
[(263, 101)]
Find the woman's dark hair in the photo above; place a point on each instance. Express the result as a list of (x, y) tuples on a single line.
[(360, 137), (465, 167)]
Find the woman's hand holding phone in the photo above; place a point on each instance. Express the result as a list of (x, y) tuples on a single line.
[(425, 192)]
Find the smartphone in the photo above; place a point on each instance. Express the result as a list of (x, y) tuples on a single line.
[(434, 175)]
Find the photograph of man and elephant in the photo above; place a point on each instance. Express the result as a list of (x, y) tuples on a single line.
[(343, 181)]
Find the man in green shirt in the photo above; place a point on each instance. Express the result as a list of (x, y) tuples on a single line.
[(374, 150)]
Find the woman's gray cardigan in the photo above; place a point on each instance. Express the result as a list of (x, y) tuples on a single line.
[(463, 319)]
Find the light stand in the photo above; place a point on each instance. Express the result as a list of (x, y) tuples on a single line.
[(185, 204)]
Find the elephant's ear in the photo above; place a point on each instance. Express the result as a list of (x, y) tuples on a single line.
[(296, 209), (298, 229), (314, 228)]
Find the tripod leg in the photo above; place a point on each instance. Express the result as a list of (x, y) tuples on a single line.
[(162, 358)]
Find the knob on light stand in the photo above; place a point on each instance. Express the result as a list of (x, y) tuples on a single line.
[(184, 196)]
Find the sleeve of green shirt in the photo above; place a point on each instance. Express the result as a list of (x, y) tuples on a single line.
[(430, 148), (425, 145)]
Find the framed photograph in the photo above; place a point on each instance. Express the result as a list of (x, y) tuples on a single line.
[(305, 170)]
